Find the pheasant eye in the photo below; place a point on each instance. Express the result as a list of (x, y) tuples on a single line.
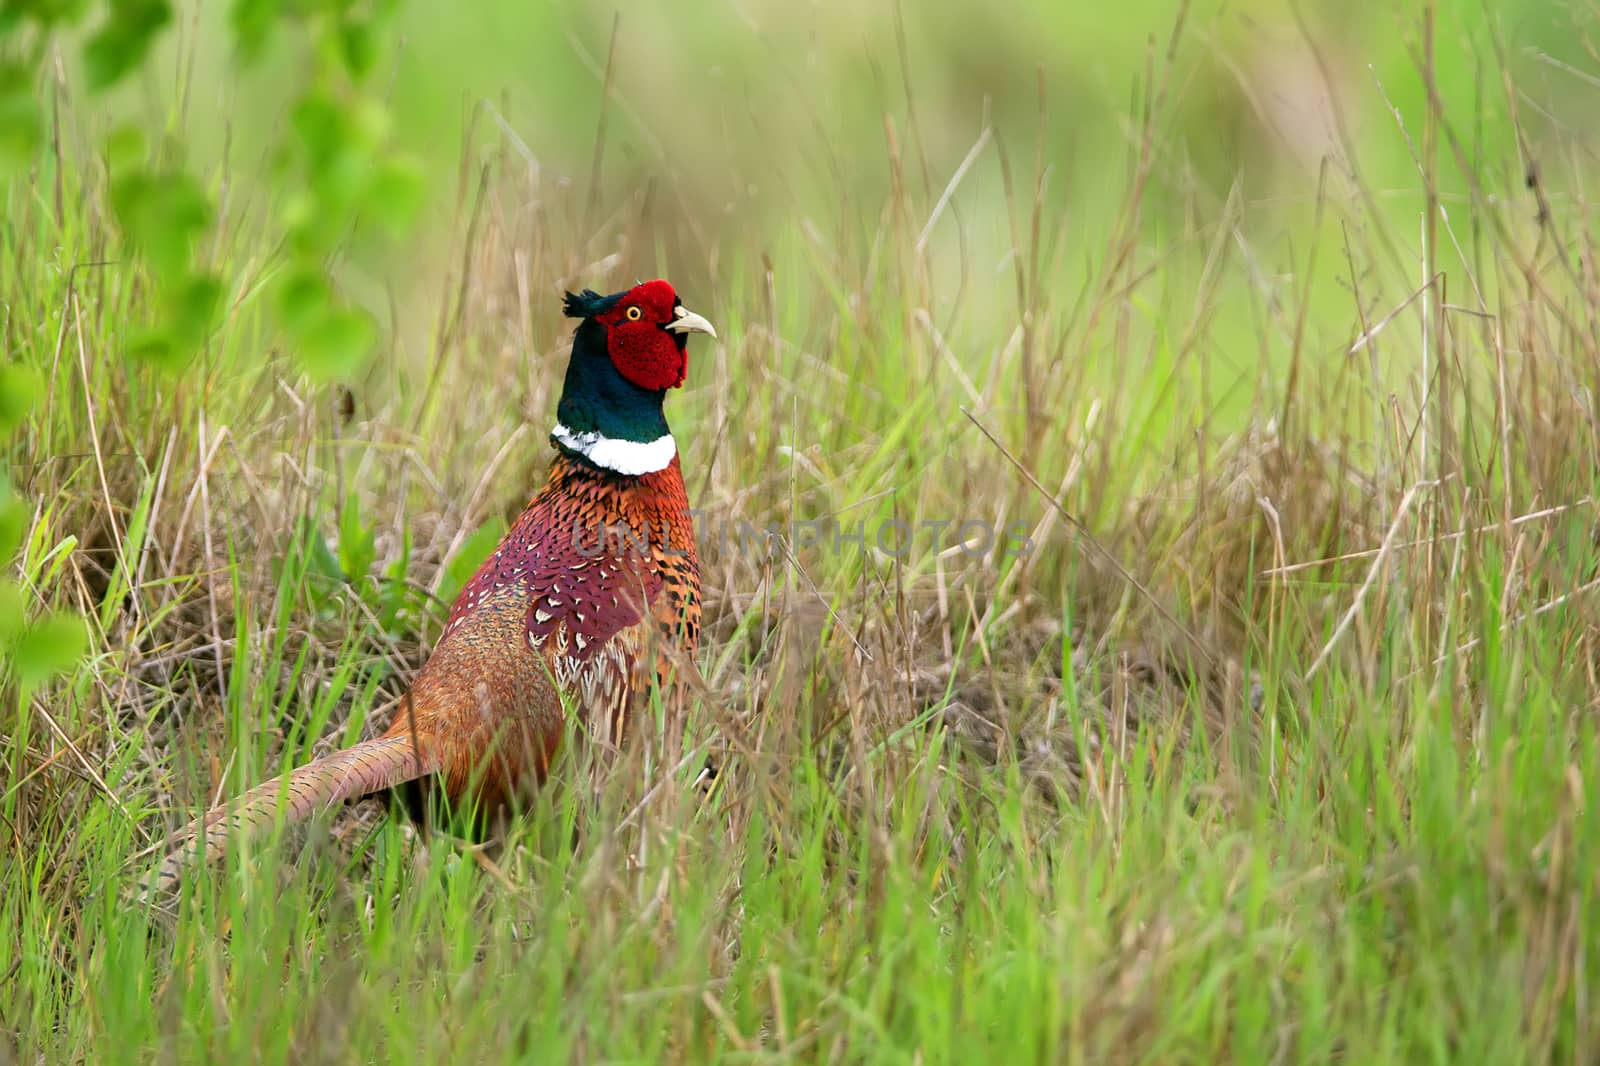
[(634, 314)]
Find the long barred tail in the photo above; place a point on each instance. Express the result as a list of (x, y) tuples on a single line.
[(371, 766)]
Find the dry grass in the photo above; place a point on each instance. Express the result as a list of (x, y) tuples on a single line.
[(1275, 745)]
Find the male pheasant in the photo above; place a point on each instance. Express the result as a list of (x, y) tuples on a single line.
[(598, 571)]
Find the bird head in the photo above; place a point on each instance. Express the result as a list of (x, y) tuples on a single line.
[(630, 348), (646, 331)]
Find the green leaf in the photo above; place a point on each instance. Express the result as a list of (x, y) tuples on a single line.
[(371, 121), (13, 523), (157, 347), (395, 596), (337, 345), (319, 557), (192, 306), (358, 46), (13, 604), (115, 597), (44, 12), (322, 127), (52, 645), (357, 543), (161, 214), (253, 22), (19, 117), (119, 45), (395, 194), (19, 391), (311, 226), (126, 149), (337, 185), (41, 568), (304, 297)]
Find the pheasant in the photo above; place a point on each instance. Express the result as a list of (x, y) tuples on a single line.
[(572, 609)]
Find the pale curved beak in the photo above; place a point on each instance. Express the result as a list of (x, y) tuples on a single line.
[(689, 322)]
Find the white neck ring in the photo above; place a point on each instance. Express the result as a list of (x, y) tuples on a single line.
[(629, 457)]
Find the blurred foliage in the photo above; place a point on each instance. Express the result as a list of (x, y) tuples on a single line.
[(30, 651), (336, 166), (744, 118), (369, 113), (335, 163), (364, 113)]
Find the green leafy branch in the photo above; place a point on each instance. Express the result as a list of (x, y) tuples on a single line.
[(338, 170), (31, 651), (339, 165)]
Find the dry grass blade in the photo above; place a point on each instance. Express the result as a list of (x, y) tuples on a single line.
[(1442, 538), (1089, 538), (1521, 619), (1371, 333), (1372, 575), (951, 186), (857, 828)]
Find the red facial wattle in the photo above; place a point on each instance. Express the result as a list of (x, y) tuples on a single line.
[(647, 355), (642, 347)]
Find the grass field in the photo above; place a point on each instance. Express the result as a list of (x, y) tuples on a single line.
[(1274, 331)]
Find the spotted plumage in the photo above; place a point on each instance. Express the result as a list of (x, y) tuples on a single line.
[(587, 600), (603, 568)]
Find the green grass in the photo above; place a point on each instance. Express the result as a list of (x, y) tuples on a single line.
[(1200, 804)]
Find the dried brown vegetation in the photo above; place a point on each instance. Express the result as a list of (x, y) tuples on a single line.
[(1303, 654)]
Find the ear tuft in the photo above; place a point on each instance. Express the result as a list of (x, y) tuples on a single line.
[(588, 303)]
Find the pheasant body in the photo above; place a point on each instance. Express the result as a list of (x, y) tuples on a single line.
[(596, 574), (579, 606)]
